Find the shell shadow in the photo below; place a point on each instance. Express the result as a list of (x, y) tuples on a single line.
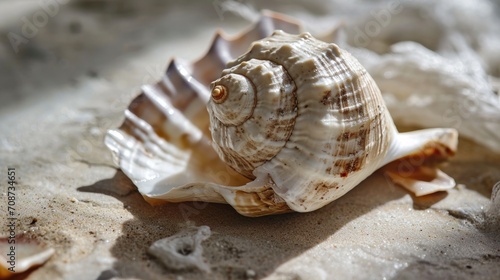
[(426, 201), (232, 250)]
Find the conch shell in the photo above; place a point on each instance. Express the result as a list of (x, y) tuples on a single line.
[(293, 123)]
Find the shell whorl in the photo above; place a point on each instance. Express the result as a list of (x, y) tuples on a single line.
[(337, 127), (252, 113)]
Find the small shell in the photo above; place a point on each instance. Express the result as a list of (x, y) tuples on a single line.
[(300, 120), (22, 255)]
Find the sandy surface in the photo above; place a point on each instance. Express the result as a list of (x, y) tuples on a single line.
[(72, 82)]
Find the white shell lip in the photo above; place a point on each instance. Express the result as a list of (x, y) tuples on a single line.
[(164, 146)]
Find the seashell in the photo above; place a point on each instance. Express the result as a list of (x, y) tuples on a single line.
[(21, 254), (291, 124)]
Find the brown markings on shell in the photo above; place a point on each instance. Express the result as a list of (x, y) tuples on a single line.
[(350, 101), (281, 124), (233, 159), (239, 162), (277, 127), (342, 100), (432, 154), (322, 188), (349, 156), (260, 203), (326, 96), (354, 157), (346, 166)]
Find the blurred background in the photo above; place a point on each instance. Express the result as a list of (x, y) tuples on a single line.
[(50, 44)]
